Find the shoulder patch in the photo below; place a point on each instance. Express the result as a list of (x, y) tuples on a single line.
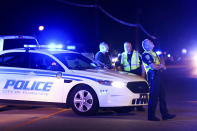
[(147, 57)]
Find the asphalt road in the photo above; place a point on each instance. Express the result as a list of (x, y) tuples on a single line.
[(181, 90)]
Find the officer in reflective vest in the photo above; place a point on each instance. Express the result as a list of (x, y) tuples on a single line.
[(130, 61), (153, 68)]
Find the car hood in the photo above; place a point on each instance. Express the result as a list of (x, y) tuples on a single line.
[(110, 75)]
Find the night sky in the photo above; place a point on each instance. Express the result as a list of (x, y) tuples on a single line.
[(173, 22)]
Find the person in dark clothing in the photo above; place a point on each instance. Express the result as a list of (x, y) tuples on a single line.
[(102, 57), (153, 67), (130, 61)]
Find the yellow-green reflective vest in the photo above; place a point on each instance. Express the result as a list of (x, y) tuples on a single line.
[(135, 61), (155, 60)]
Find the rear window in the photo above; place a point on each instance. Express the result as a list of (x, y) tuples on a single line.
[(18, 43)]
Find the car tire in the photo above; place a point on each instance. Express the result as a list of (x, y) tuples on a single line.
[(123, 109), (84, 101)]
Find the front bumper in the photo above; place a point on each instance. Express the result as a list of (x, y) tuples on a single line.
[(127, 99), (134, 94)]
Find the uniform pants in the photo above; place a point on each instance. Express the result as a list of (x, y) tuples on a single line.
[(157, 93)]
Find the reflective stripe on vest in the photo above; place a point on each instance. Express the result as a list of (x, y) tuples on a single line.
[(135, 61), (155, 58)]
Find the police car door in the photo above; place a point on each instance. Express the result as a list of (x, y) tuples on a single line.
[(25, 76), (45, 84), (13, 75)]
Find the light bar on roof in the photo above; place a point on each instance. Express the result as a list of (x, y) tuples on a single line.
[(30, 46), (71, 47), (53, 46)]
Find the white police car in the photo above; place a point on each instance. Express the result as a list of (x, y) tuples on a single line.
[(67, 78)]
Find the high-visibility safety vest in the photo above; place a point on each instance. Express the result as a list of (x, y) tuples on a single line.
[(155, 60), (135, 61)]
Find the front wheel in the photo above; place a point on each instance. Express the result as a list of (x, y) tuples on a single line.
[(84, 101)]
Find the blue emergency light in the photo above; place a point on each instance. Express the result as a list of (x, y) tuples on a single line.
[(54, 46), (51, 46), (30, 46), (71, 47)]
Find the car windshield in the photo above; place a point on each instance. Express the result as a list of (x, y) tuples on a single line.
[(76, 61)]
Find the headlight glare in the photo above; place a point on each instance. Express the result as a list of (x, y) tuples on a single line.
[(118, 84)]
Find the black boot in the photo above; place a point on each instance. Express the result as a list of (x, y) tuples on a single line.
[(153, 118), (168, 116)]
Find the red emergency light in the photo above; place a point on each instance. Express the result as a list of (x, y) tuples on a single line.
[(20, 37)]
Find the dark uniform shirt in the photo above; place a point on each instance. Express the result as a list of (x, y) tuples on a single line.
[(103, 60), (157, 91), (147, 58)]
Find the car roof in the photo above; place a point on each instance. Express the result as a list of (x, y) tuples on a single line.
[(16, 37), (48, 51)]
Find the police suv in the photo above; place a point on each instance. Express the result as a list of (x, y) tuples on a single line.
[(62, 77)]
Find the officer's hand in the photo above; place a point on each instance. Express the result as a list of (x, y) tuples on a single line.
[(105, 67), (163, 66), (155, 66), (143, 75), (118, 68)]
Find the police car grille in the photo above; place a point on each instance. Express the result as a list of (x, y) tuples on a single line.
[(138, 87), (140, 101)]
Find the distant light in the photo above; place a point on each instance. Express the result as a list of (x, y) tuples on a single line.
[(71, 47), (169, 55), (41, 28), (158, 52), (195, 58), (184, 51), (195, 61), (115, 59)]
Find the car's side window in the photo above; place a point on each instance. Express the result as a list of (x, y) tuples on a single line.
[(17, 59), (76, 62), (1, 59), (44, 62)]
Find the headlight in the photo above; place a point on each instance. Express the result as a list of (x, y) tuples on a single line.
[(116, 84)]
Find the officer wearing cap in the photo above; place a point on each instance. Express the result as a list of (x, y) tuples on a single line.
[(153, 68), (130, 61)]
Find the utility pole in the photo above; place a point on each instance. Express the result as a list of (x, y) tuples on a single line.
[(138, 14), (137, 30), (96, 23)]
